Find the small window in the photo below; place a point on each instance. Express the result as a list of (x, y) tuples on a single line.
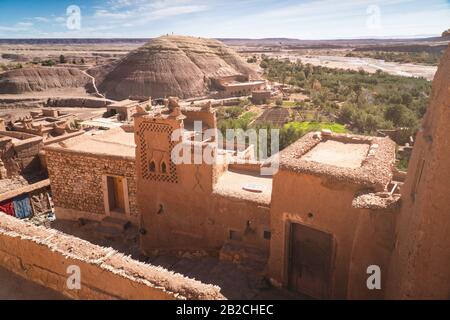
[(267, 235), (152, 166), (163, 167), (235, 235)]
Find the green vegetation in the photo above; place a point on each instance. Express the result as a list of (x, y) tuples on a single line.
[(62, 59), (362, 101), (48, 63), (340, 100), (423, 57), (11, 66), (307, 126), (290, 104), (252, 60), (234, 118)]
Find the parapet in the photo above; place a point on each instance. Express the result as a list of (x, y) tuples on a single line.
[(43, 255), (361, 160)]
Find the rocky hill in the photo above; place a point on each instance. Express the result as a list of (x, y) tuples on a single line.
[(41, 79), (170, 65)]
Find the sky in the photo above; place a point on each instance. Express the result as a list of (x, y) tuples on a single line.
[(308, 19)]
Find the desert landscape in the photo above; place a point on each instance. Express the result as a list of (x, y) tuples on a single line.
[(180, 167)]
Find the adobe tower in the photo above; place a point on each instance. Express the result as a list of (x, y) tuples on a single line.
[(420, 265)]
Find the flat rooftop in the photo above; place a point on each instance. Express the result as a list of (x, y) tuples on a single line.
[(106, 123), (114, 142), (238, 184), (248, 83), (339, 154), (362, 160), (123, 103)]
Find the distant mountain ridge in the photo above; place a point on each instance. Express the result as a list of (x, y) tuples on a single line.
[(241, 41)]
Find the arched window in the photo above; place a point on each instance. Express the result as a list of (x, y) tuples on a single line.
[(152, 166), (163, 167)]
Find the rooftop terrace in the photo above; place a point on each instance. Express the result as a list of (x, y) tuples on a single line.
[(114, 142), (362, 160), (339, 154), (245, 185)]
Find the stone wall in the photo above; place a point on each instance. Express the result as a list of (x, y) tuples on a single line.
[(20, 152), (43, 256), (77, 180)]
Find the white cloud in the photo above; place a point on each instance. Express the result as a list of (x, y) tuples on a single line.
[(18, 27), (41, 19), (138, 12)]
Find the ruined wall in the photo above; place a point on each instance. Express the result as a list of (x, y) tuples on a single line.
[(43, 255), (326, 205), (21, 154), (207, 118), (77, 184), (420, 266)]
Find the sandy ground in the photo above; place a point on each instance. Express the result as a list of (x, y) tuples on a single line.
[(345, 155), (13, 287), (55, 93), (81, 113)]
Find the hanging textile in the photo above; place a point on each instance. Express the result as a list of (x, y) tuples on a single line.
[(22, 207), (8, 208)]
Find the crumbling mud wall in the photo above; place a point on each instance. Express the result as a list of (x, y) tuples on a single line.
[(420, 267), (19, 152), (43, 256)]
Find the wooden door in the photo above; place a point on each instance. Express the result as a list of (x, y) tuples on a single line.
[(311, 259), (119, 194)]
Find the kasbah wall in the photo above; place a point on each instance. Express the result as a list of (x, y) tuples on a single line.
[(305, 199), (77, 183), (420, 267)]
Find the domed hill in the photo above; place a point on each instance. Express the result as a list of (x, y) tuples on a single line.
[(41, 79), (170, 66)]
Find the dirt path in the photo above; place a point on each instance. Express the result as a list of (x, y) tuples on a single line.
[(94, 85)]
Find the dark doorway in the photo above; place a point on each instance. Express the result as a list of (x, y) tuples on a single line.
[(116, 194), (311, 261)]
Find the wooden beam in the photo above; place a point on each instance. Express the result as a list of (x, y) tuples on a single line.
[(27, 189)]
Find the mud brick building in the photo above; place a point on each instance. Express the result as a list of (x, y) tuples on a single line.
[(93, 176)]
